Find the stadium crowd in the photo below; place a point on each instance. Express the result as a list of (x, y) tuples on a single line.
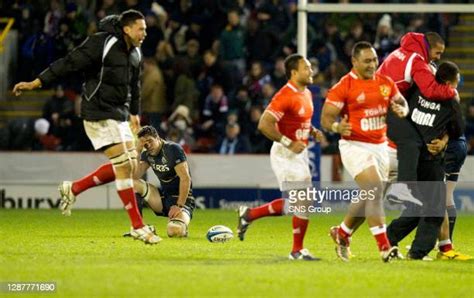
[(210, 67)]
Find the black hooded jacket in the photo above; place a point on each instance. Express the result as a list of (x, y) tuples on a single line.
[(111, 89)]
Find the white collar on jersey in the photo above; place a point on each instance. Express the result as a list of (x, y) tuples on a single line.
[(353, 75), (293, 87)]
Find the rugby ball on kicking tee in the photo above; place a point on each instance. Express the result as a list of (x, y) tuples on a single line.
[(219, 233)]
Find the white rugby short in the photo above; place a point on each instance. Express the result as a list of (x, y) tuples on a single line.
[(393, 168), (108, 132), (358, 156), (289, 166)]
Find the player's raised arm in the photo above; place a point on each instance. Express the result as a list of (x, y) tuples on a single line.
[(82, 57), (268, 126), (26, 86), (143, 166)]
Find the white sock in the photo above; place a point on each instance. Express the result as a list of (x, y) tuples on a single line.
[(377, 230), (346, 229)]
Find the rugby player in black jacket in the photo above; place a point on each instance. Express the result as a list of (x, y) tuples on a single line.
[(110, 63)]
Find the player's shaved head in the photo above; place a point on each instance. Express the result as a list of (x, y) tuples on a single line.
[(436, 45), (359, 47), (146, 131), (291, 63), (434, 39)]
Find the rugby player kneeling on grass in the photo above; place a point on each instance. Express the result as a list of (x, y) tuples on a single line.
[(173, 198)]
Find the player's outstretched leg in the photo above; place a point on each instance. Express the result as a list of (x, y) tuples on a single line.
[(123, 168), (69, 190), (247, 215)]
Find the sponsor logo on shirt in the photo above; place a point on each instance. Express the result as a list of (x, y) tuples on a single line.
[(379, 110), (372, 123), (422, 118), (385, 91), (160, 168), (374, 118)]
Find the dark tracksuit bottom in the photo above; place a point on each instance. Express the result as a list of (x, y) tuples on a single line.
[(429, 217), (409, 142)]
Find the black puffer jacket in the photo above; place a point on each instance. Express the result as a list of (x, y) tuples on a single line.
[(112, 83)]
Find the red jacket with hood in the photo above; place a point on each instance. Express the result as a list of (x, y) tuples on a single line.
[(410, 63)]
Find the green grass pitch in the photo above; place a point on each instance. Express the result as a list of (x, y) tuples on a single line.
[(86, 256)]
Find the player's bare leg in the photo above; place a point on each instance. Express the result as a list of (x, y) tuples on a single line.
[(123, 165), (69, 190), (341, 234), (149, 193), (371, 181), (450, 206), (132, 154), (444, 231), (176, 227), (446, 249)]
